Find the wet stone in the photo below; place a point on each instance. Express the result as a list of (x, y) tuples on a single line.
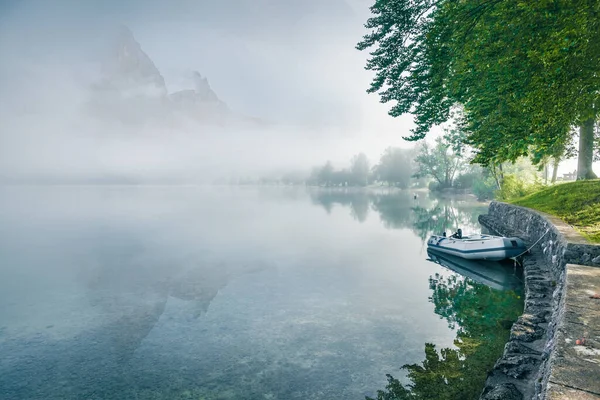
[(536, 278), (505, 391), (525, 331), (517, 366), (536, 295), (515, 347), (532, 317), (537, 303), (540, 287)]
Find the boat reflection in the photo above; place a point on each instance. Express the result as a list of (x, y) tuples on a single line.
[(499, 276)]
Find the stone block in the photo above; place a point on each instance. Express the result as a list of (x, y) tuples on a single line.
[(560, 392), (504, 391)]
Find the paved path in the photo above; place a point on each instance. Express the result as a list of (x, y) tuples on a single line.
[(575, 372)]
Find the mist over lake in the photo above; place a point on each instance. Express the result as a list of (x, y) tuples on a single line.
[(123, 292)]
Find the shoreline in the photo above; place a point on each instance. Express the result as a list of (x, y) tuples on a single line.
[(542, 358)]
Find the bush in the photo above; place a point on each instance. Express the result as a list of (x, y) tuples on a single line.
[(485, 188), (434, 186), (467, 180), (514, 187)]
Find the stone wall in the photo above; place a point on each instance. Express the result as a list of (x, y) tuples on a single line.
[(523, 370)]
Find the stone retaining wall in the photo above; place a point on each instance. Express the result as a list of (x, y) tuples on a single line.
[(524, 369)]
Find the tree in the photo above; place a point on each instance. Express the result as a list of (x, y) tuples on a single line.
[(359, 170), (395, 167), (524, 73), (439, 162), (325, 175)]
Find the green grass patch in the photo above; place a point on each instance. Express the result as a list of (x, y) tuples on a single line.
[(576, 203)]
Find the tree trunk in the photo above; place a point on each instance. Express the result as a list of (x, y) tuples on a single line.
[(498, 175), (586, 151), (555, 169)]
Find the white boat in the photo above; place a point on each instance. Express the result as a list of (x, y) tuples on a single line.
[(478, 246), (490, 273)]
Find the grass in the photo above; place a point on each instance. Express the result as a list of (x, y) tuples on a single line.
[(576, 203)]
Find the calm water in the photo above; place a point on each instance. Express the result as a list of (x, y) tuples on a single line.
[(237, 293)]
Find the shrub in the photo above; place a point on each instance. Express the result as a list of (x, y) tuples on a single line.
[(513, 187), (466, 180), (484, 188), (434, 186)]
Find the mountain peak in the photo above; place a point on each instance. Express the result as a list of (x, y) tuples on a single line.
[(130, 70), (203, 89)]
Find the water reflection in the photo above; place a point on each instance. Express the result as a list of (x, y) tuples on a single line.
[(132, 284), (478, 300), (357, 200), (481, 309), (215, 293), (425, 215), (499, 276)]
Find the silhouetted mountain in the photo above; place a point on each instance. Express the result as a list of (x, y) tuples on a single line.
[(201, 102), (132, 90), (130, 71)]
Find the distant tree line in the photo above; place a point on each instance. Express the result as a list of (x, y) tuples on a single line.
[(445, 164), (395, 168)]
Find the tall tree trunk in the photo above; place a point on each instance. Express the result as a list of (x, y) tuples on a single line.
[(546, 173), (555, 169), (499, 176), (586, 151), (495, 175)]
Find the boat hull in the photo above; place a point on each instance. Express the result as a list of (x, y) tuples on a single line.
[(481, 247)]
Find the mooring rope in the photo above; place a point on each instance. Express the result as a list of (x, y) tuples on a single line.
[(532, 246)]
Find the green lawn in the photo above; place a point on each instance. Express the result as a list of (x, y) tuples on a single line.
[(576, 203)]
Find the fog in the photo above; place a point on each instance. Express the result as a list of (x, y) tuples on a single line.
[(285, 89)]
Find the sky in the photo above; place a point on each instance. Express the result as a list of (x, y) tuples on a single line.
[(292, 63)]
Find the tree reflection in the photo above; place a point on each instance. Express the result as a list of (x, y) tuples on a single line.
[(358, 201), (482, 318), (443, 217), (480, 315), (400, 210), (394, 209)]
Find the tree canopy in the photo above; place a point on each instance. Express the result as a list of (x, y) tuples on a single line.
[(439, 162), (522, 73), (395, 167)]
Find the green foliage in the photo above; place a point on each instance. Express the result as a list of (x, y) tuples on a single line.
[(523, 72), (467, 179), (482, 318), (514, 187), (480, 180), (439, 162), (577, 203), (485, 188), (433, 186), (395, 167), (327, 175)]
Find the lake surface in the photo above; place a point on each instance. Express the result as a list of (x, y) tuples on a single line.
[(238, 293)]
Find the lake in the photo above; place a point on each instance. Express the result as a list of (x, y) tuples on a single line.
[(150, 292)]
